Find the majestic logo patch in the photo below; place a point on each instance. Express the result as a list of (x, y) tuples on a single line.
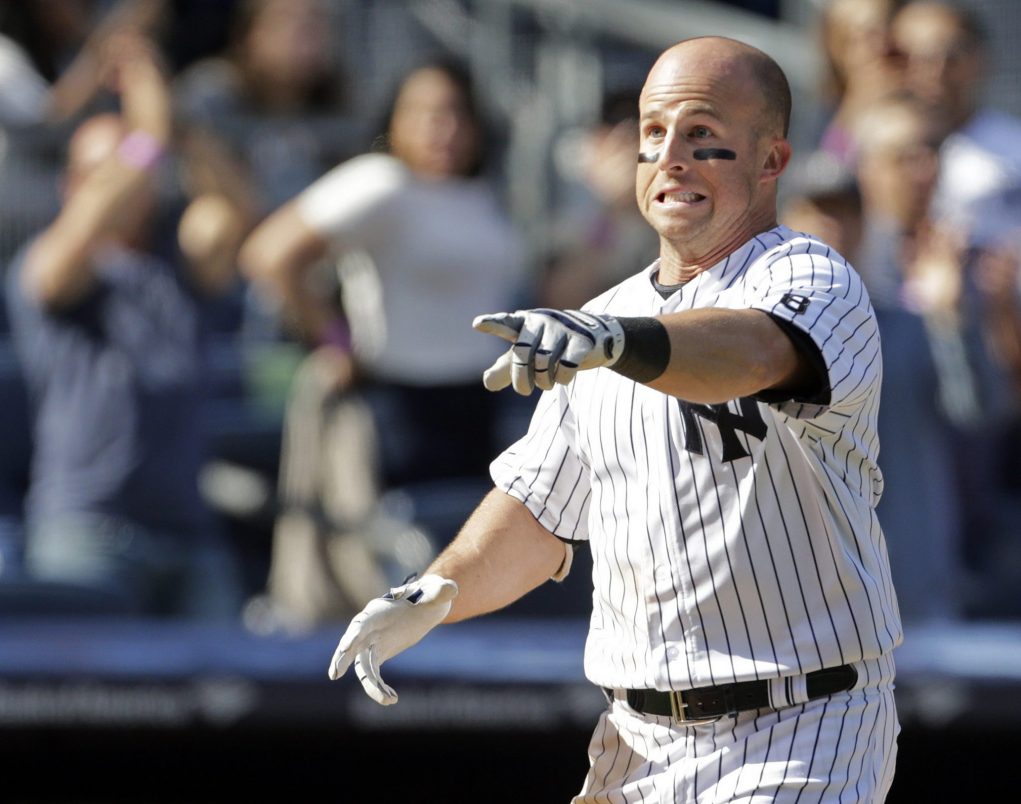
[(795, 302)]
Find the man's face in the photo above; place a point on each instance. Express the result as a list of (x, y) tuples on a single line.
[(898, 166), (695, 100), (944, 68)]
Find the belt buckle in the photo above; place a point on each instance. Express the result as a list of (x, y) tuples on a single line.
[(677, 706)]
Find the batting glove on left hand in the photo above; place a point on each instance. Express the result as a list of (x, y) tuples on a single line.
[(549, 346), (388, 625)]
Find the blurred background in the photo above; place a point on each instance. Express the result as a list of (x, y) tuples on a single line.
[(231, 231)]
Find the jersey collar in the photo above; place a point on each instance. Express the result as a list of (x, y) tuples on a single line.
[(725, 272)]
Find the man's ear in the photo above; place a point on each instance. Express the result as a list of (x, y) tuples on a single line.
[(777, 158)]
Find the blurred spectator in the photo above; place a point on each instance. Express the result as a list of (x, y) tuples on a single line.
[(920, 509), (424, 245), (946, 54), (109, 332), (40, 40), (276, 96), (52, 57), (863, 66), (593, 251), (23, 91), (51, 53), (823, 199), (947, 395)]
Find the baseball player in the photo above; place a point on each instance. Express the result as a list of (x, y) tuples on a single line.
[(708, 426)]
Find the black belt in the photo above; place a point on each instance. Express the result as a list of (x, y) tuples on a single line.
[(728, 699)]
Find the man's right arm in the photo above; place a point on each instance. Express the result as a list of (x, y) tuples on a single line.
[(501, 554)]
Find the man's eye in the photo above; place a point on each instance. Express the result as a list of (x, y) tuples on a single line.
[(655, 131), (701, 132)]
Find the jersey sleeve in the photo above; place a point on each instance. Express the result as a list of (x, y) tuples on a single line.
[(545, 472), (344, 204), (810, 290)]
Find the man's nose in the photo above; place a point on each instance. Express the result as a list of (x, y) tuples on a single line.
[(675, 153)]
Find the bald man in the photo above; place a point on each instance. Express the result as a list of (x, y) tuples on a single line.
[(947, 59), (708, 427)]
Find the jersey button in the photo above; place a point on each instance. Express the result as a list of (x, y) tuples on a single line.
[(672, 653)]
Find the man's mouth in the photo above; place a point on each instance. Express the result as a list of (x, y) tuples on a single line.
[(676, 197)]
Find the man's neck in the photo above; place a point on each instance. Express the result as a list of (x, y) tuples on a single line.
[(679, 265)]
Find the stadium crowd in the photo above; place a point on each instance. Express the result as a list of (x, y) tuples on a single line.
[(225, 268)]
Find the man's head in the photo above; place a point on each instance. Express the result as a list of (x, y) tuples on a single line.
[(897, 141), (714, 119), (944, 50), (856, 42)]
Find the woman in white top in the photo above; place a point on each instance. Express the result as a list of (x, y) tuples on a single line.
[(422, 244)]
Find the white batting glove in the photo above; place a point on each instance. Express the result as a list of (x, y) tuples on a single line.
[(549, 346), (388, 625)]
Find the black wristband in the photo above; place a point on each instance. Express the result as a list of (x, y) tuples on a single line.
[(646, 349)]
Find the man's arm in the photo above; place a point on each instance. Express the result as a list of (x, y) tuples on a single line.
[(707, 355), (717, 354), (501, 554)]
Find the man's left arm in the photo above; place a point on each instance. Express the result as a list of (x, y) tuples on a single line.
[(706, 356), (717, 354)]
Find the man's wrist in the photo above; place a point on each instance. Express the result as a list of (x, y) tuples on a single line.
[(646, 352)]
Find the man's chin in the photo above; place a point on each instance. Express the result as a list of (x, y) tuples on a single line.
[(674, 227)]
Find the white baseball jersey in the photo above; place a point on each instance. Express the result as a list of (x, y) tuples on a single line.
[(729, 542)]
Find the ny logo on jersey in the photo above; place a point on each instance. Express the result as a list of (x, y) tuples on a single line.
[(748, 421)]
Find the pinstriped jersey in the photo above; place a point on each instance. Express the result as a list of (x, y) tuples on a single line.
[(735, 541)]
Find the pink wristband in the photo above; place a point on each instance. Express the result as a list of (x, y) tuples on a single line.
[(337, 334), (140, 150)]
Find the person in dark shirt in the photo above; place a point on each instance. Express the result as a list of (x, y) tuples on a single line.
[(109, 333)]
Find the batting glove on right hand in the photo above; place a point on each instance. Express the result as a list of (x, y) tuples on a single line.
[(389, 625), (549, 346)]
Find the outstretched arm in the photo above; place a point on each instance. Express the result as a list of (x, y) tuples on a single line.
[(718, 354), (708, 355)]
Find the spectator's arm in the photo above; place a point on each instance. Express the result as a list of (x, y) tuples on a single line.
[(277, 256), (210, 234), (222, 211), (87, 72), (58, 267)]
